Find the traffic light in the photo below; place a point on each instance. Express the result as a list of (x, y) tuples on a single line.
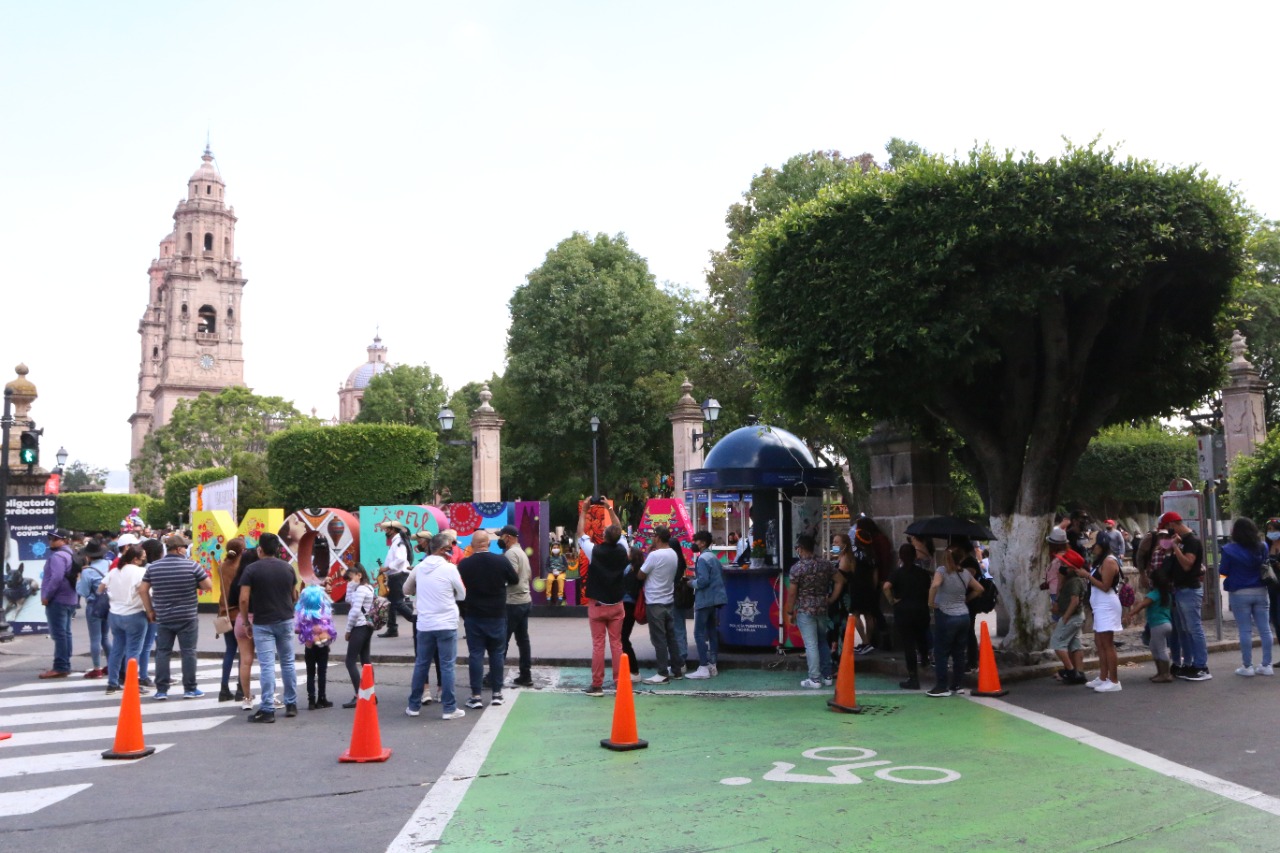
[(29, 452)]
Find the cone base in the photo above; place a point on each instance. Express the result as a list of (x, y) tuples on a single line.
[(125, 756), (844, 709), (348, 758), (5, 735), (992, 693), (624, 747)]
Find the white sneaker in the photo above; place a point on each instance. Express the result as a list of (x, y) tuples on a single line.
[(247, 704), (1246, 671), (700, 672), (1093, 684), (278, 704), (1106, 686), (715, 670), (827, 682), (810, 684), (1265, 669), (409, 712), (458, 714), (657, 679)]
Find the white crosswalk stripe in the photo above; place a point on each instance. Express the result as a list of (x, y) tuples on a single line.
[(58, 761), (33, 800), (85, 733), (78, 682)]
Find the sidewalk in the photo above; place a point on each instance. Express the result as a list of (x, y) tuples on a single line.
[(566, 641)]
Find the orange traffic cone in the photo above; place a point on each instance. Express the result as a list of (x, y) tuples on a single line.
[(846, 695), (129, 743), (624, 736), (366, 740), (988, 675)]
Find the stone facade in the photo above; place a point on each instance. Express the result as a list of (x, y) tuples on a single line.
[(351, 392), (686, 419), (908, 480), (1244, 420), (486, 457), (191, 327)]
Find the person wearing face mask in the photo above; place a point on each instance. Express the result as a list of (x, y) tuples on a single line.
[(1184, 560), (1273, 554), (556, 568)]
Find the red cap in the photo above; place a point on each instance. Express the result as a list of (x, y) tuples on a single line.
[(1169, 518), (1111, 521)]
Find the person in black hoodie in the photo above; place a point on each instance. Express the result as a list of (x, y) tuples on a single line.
[(609, 562)]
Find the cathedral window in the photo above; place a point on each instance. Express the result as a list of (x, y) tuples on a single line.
[(208, 190), (208, 319), (188, 243), (208, 242), (155, 352)]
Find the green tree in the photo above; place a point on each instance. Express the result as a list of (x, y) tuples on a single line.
[(1125, 468), (1257, 313), (1255, 481), (591, 334), (405, 394), (996, 298), (208, 432), (351, 465), (79, 477)]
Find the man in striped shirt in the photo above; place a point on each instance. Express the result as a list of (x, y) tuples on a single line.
[(168, 591)]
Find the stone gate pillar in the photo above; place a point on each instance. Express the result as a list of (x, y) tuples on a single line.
[(686, 419), (1244, 422), (908, 480), (486, 457)]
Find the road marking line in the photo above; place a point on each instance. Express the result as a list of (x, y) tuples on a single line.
[(155, 727), (74, 683), (15, 803), (431, 818), (56, 762), (1134, 755), (174, 705)]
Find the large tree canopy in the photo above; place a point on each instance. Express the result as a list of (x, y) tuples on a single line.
[(1020, 304), (208, 432), (591, 334), (405, 394)]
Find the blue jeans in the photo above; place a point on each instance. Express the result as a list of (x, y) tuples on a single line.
[(518, 624), (705, 635), (1191, 645), (59, 616), (813, 628), (431, 643), (949, 640), (186, 633), (485, 635), (99, 638), (127, 634), (1252, 607), (682, 632), (270, 641), (144, 657)]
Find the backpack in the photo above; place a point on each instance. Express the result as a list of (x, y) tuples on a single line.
[(377, 612), (986, 602)]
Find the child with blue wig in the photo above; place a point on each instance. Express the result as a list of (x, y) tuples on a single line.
[(313, 623)]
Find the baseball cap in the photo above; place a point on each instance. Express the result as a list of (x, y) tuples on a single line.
[(1111, 522), (59, 533), (509, 530), (1169, 518)]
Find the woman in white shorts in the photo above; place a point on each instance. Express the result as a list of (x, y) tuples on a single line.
[(1104, 600)]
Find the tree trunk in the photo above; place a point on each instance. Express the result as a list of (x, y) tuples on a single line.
[(1017, 563)]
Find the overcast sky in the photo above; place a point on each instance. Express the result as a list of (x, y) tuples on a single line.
[(405, 165)]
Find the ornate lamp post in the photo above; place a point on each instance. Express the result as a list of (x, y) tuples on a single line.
[(710, 414), (595, 464)]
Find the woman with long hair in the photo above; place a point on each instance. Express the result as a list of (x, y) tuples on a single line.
[(631, 587), (229, 569), (1104, 599), (1242, 561), (864, 594), (127, 616), (952, 588), (242, 625), (359, 634), (839, 610)]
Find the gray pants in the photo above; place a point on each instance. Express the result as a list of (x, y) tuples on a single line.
[(1160, 641), (186, 633), (662, 633)]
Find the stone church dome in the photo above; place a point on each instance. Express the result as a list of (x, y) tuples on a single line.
[(207, 171), (360, 378)]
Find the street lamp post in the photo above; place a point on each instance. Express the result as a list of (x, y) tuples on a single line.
[(595, 463), (710, 414), (446, 419), (61, 456), (6, 422)]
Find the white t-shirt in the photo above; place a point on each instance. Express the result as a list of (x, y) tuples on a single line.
[(660, 576), (438, 589), (585, 545), (122, 589), (397, 557)]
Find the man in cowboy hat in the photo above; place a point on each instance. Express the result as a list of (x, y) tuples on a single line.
[(395, 569)]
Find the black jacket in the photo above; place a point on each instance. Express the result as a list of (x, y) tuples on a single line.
[(605, 574), (486, 577)]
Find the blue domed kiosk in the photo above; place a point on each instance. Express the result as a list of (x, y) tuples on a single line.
[(780, 473)]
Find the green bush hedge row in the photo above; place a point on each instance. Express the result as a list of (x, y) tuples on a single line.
[(351, 465), (93, 512)]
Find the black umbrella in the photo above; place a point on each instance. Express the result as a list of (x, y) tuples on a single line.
[(948, 526)]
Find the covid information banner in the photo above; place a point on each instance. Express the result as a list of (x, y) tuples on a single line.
[(30, 519)]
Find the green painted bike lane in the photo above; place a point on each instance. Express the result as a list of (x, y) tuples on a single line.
[(730, 772)]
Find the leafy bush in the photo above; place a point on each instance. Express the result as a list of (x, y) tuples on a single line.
[(177, 492), (1126, 466), (91, 512), (351, 465), (1255, 481)]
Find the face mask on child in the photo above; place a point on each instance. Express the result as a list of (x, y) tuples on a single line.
[(1166, 542), (1273, 535)]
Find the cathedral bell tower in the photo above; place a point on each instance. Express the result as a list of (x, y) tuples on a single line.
[(191, 327)]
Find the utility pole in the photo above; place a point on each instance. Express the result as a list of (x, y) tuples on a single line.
[(6, 423)]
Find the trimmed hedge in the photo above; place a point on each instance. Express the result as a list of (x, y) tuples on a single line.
[(1255, 482), (92, 512), (177, 492), (350, 465), (1125, 465)]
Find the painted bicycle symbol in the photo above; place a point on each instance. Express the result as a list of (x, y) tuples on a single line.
[(851, 758)]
